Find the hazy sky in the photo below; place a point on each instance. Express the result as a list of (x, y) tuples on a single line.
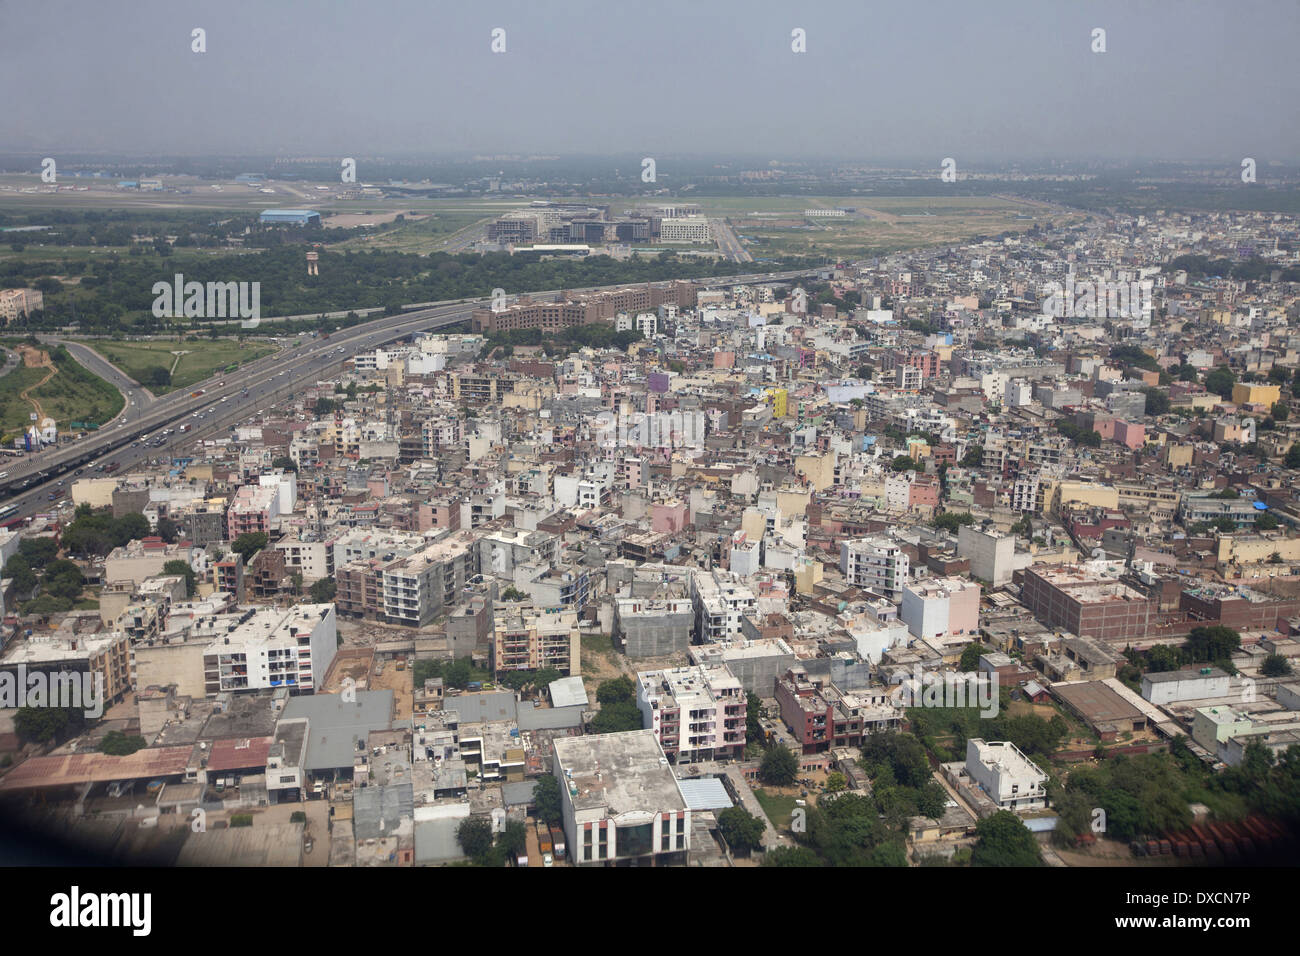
[(981, 79)]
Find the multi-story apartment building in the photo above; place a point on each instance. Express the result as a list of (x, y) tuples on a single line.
[(696, 713), (1088, 602), (19, 302), (417, 588), (821, 716), (312, 559), (942, 608), (878, 564), (103, 660), (273, 647), (527, 637), (720, 603), (255, 508)]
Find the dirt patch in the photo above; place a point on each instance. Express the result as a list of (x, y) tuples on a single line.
[(1113, 853), (399, 682), (36, 358), (353, 662)]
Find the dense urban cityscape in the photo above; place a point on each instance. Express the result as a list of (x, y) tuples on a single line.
[(501, 507)]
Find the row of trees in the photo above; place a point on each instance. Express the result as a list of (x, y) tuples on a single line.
[(114, 287)]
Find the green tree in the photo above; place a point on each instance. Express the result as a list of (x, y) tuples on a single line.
[(118, 744), (779, 767), (513, 594), (131, 527), (798, 856), (1275, 665), (513, 838), (974, 457), (970, 657), (952, 520), (1004, 841), (835, 782), (1280, 412), (754, 732), (182, 567), (617, 690), (323, 590), (475, 837), (741, 829), (249, 543), (616, 717), (284, 463), (1293, 456), (1220, 381), (39, 725), (168, 530), (1213, 643), (546, 800), (1157, 402), (1265, 522), (24, 578), (38, 551)]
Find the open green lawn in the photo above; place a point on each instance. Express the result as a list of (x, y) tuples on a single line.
[(420, 236), (777, 807), (197, 359)]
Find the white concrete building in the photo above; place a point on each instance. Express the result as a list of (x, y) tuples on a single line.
[(696, 713), (273, 648), (1171, 687), (1011, 779), (878, 564), (720, 604)]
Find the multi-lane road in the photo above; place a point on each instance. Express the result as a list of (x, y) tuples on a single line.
[(149, 427)]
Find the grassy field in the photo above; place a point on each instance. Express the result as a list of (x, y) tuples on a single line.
[(778, 807), (197, 359), (72, 393), (880, 225), (422, 236)]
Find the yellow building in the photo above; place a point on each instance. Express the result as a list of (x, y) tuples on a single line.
[(807, 575), (1057, 494), (780, 400), (1254, 393), (819, 470)]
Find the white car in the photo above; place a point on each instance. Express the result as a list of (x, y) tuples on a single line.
[(547, 860)]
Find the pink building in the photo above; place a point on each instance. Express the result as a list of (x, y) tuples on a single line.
[(1130, 434), (668, 516), (440, 514), (254, 508), (923, 492), (724, 359)]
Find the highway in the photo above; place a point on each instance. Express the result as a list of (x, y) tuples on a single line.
[(150, 431)]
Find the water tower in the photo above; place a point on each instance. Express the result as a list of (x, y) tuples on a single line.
[(313, 268)]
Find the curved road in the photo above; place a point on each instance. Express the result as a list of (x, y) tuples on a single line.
[(137, 398), (152, 431)]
